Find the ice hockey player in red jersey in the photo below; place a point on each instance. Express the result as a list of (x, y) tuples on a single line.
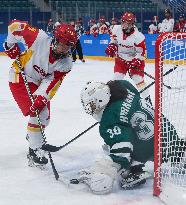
[(45, 62), (181, 24), (128, 47)]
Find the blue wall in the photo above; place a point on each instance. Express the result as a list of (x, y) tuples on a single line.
[(95, 46)]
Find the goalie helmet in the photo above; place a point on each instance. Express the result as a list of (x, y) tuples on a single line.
[(94, 97)]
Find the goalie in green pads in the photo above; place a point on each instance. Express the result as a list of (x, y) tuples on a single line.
[(127, 128)]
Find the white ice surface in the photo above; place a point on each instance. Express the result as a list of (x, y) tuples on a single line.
[(22, 185)]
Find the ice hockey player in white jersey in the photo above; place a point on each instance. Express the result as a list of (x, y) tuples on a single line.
[(114, 22), (167, 24), (154, 28), (104, 27), (92, 28), (45, 62), (128, 47)]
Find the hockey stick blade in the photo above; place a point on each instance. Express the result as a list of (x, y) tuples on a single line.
[(50, 148)]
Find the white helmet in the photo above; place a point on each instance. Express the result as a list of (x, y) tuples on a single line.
[(94, 97)]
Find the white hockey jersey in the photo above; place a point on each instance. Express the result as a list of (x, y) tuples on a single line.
[(129, 46), (153, 29), (104, 28), (167, 25), (94, 30), (37, 62)]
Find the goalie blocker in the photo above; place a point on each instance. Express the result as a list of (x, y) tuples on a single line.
[(127, 128)]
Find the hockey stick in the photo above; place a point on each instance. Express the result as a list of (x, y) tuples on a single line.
[(166, 73), (150, 76), (52, 148), (37, 115)]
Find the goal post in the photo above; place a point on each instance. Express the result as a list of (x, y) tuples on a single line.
[(169, 171)]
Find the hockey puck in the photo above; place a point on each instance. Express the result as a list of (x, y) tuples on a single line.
[(74, 181)]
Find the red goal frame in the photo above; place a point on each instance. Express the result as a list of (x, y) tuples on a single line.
[(159, 61)]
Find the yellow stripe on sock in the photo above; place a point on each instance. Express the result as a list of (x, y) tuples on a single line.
[(33, 129), (140, 85)]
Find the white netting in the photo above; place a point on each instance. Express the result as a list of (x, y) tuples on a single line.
[(172, 130)]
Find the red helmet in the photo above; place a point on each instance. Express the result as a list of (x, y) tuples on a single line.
[(78, 21), (102, 19), (92, 21), (66, 34), (128, 17)]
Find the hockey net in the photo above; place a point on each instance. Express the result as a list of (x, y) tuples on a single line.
[(169, 171)]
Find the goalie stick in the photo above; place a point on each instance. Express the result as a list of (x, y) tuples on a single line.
[(37, 116)]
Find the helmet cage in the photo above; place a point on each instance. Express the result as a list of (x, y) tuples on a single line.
[(54, 47), (94, 97), (127, 25), (91, 107)]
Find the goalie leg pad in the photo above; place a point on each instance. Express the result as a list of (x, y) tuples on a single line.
[(100, 183), (100, 177)]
